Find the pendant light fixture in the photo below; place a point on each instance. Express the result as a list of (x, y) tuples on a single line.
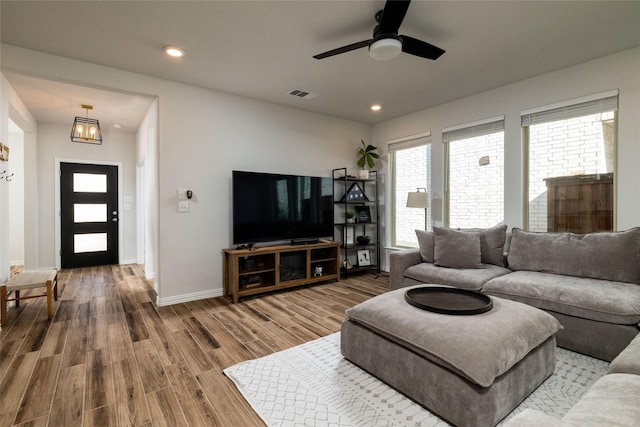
[(86, 130)]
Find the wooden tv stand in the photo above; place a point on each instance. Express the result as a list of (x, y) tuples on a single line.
[(254, 271)]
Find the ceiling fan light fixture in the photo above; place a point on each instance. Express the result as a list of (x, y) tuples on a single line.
[(385, 49)]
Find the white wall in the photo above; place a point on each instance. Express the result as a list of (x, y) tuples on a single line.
[(619, 71), (12, 107), (54, 143), (147, 162), (16, 197), (202, 136)]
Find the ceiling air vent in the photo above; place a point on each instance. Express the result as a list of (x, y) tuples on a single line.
[(302, 94)]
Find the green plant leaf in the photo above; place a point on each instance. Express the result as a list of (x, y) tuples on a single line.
[(370, 148), (370, 161), (361, 162)]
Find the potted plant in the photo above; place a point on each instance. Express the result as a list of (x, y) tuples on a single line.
[(367, 157), (349, 215)]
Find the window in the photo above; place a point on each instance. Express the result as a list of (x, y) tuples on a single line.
[(570, 165), (475, 174), (409, 161)]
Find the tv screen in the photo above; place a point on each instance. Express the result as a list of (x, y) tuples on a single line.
[(271, 207)]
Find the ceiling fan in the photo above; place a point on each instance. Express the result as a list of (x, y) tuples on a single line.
[(386, 43)]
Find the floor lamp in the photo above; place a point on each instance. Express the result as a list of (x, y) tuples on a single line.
[(419, 199)]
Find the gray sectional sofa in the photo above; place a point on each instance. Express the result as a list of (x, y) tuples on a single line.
[(589, 282), (612, 401)]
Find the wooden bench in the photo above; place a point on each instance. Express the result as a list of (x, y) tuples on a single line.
[(29, 279)]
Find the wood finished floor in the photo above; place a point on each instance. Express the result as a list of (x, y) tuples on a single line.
[(110, 357)]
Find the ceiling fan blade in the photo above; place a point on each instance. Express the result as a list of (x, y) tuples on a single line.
[(392, 16), (343, 49), (419, 48)]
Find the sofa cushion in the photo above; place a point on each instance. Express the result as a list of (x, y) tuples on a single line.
[(612, 401), (456, 249), (606, 255), (426, 244), (500, 338), (492, 241), (464, 278), (594, 299), (628, 361)]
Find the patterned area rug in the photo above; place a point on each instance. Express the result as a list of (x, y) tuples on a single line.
[(312, 385)]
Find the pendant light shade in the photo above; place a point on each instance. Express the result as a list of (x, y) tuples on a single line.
[(86, 130)]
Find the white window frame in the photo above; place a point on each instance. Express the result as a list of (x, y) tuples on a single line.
[(583, 106), (412, 141), (464, 131)]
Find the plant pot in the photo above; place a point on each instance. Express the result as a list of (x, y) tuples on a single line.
[(351, 220), (363, 240), (363, 174)]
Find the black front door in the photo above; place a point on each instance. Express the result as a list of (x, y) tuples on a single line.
[(89, 214)]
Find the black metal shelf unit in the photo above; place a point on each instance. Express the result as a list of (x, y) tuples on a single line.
[(360, 196)]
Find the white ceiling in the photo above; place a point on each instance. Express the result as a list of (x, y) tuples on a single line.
[(264, 49)]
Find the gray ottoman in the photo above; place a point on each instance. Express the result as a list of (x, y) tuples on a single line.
[(469, 370)]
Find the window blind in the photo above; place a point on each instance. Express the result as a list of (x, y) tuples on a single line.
[(595, 106), (409, 142), (473, 130)]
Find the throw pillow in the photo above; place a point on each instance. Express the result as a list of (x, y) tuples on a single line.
[(425, 242), (456, 249), (492, 241)]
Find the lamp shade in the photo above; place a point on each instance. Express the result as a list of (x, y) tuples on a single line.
[(418, 199)]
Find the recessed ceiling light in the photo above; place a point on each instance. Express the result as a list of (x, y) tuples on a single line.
[(117, 125), (376, 107), (173, 51)]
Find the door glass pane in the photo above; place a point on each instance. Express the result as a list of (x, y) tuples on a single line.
[(91, 242), (89, 213), (89, 183)]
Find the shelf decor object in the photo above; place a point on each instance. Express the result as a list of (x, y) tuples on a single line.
[(85, 129), (355, 194)]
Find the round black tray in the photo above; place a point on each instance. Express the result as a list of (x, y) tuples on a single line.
[(444, 300)]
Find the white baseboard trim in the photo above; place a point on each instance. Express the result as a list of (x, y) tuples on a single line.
[(128, 261), (161, 302), (14, 263)]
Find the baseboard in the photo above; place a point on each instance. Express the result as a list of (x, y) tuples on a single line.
[(14, 263), (161, 302), (128, 261)]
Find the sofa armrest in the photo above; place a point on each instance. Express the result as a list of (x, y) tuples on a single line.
[(533, 418), (628, 361), (399, 261)]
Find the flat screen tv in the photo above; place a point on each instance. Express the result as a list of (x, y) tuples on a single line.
[(274, 208)]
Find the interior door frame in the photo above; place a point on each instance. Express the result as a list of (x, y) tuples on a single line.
[(57, 210)]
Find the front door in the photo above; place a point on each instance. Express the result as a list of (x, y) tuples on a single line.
[(89, 214)]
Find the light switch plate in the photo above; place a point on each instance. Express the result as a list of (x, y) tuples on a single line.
[(183, 206)]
